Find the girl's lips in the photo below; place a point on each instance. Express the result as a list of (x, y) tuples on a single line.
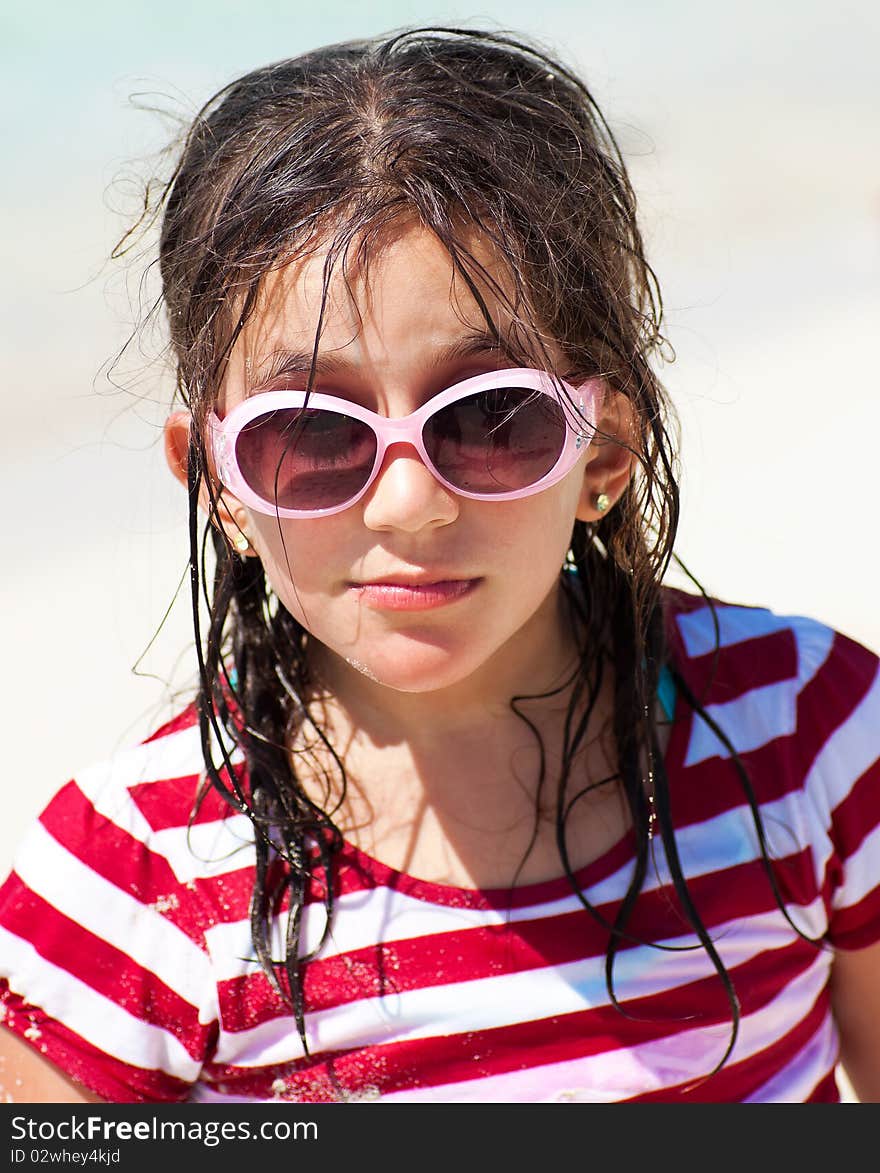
[(399, 596)]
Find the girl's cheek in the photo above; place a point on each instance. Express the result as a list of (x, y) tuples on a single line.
[(304, 565), (298, 552)]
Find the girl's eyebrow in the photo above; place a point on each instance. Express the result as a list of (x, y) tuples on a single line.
[(299, 362)]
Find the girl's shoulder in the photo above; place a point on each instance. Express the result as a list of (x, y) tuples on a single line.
[(795, 700), (796, 705), (787, 667), (153, 787), (105, 919), (142, 823)]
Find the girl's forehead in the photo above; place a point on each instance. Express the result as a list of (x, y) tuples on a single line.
[(404, 288)]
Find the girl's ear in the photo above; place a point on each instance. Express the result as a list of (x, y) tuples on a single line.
[(229, 514), (610, 457)]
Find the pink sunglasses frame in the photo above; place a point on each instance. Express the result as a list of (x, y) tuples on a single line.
[(223, 434)]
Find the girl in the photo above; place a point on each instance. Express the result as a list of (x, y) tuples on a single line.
[(468, 806)]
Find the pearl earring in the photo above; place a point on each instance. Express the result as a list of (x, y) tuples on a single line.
[(602, 501), (242, 545)]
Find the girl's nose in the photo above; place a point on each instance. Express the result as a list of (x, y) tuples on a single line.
[(406, 495)]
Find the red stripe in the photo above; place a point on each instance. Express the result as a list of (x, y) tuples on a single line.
[(441, 1060), (780, 766), (735, 1082), (858, 815), (832, 695), (183, 720), (716, 679), (179, 802), (492, 951), (124, 861), (102, 967), (358, 872), (206, 901), (107, 1077), (776, 769), (826, 1091), (105, 847), (417, 963), (496, 1051), (713, 786), (857, 927), (674, 603)]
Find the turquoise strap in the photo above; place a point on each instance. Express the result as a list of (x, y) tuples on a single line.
[(666, 692)]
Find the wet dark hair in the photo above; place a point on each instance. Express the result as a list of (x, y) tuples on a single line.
[(452, 129)]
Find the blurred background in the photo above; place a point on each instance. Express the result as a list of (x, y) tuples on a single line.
[(751, 132)]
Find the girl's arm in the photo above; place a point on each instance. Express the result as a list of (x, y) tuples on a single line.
[(855, 1001), (27, 1078)]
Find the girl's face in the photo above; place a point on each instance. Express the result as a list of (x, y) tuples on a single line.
[(412, 587)]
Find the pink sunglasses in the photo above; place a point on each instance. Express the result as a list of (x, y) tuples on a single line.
[(498, 436)]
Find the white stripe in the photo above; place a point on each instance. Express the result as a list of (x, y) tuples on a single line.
[(629, 1071), (729, 840), (207, 849), (175, 755), (616, 1073), (735, 624), (738, 624), (92, 1016), (137, 930), (378, 913), (385, 914), (848, 753), (360, 920), (364, 917), (794, 1083), (759, 716), (106, 785), (763, 714), (859, 873), (488, 1002)]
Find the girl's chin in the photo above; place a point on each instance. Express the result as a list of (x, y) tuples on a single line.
[(415, 670)]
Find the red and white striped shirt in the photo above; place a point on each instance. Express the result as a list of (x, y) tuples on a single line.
[(126, 956)]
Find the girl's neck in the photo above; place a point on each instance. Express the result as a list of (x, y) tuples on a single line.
[(453, 785)]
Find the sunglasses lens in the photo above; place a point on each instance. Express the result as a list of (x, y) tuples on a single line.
[(496, 441), (305, 458)]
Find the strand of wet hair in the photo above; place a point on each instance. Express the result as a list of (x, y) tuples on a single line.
[(635, 708), (261, 741), (298, 829)]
